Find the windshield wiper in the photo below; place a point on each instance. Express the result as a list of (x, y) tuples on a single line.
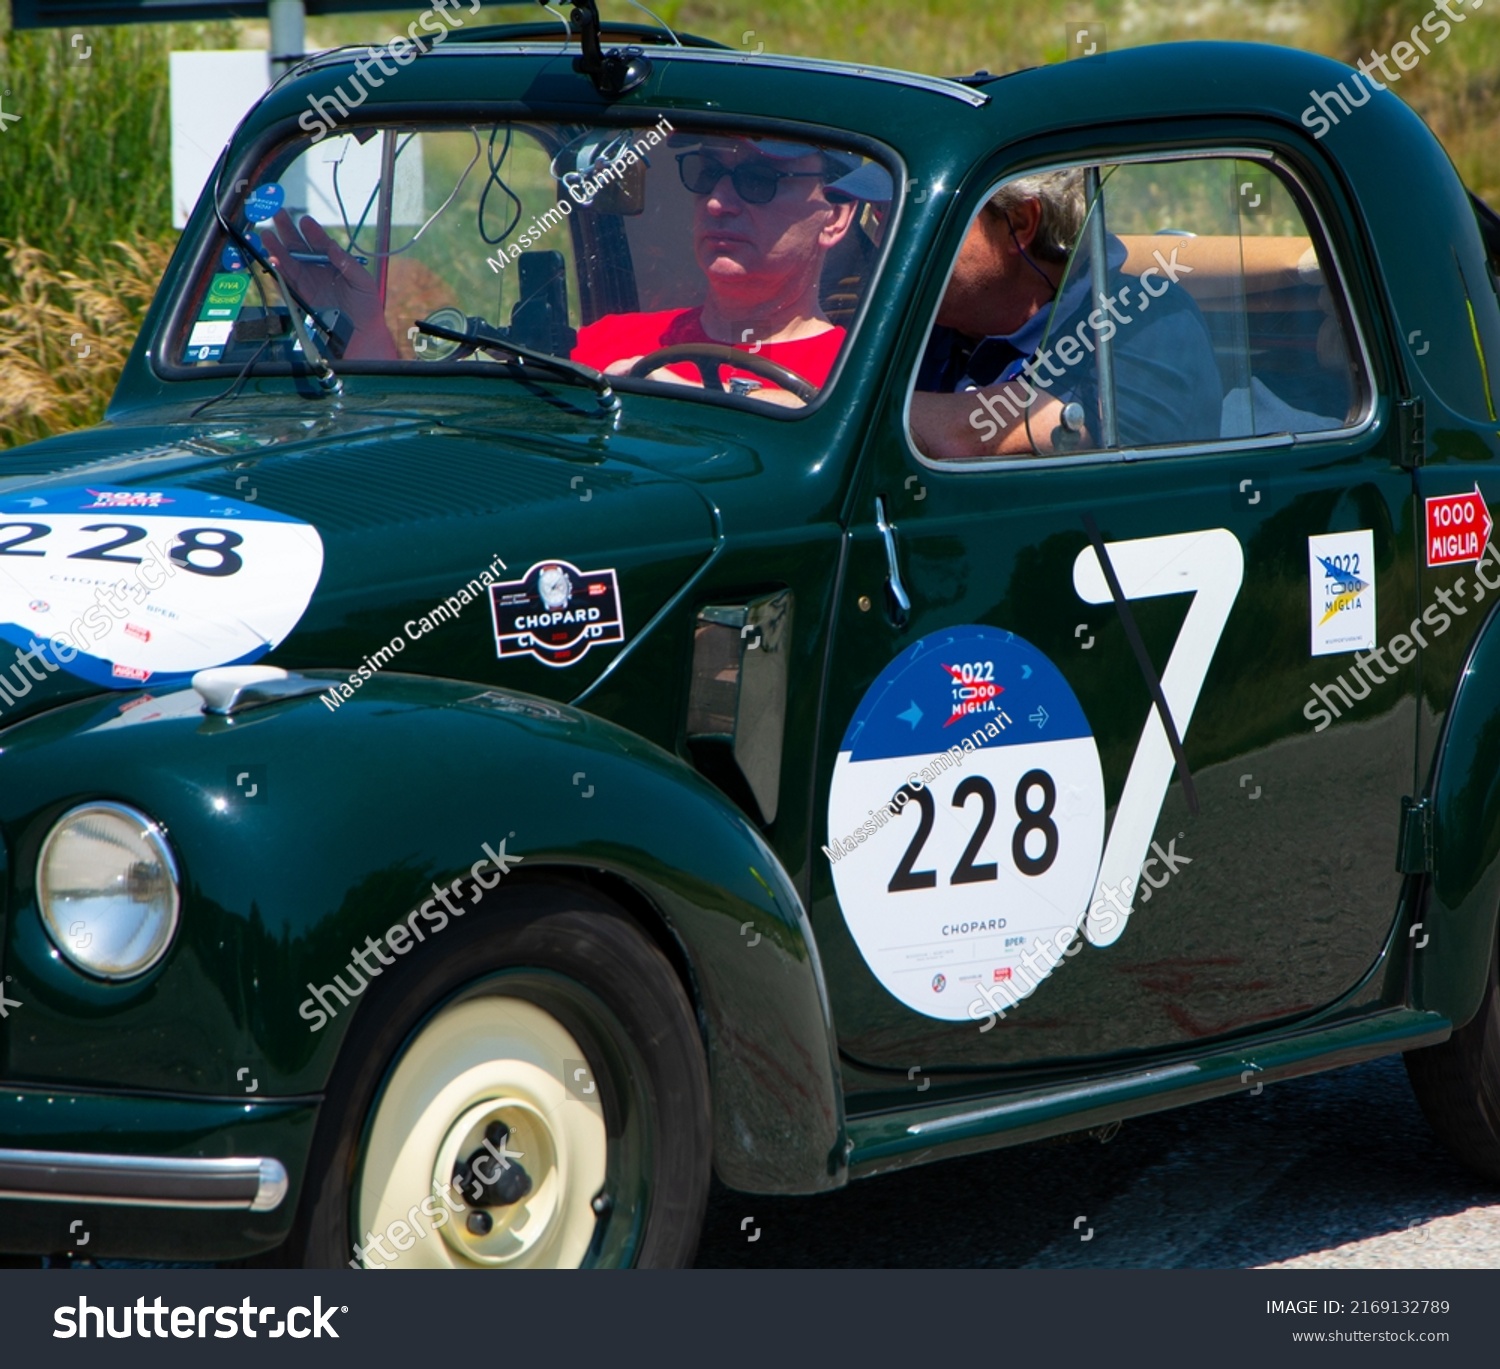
[(480, 336), (249, 331), (312, 352), (328, 379)]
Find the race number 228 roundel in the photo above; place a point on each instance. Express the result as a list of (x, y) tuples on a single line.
[(127, 587), (965, 821)]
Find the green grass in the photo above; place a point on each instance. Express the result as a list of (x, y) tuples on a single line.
[(90, 160), (87, 166)]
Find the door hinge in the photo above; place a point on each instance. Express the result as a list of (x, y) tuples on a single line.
[(1411, 429), (1414, 854)]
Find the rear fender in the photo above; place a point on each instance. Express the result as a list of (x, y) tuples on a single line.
[(1450, 972)]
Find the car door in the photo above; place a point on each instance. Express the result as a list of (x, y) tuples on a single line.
[(1099, 774)]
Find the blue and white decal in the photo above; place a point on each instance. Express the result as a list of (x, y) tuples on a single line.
[(129, 586), (264, 202), (965, 821)]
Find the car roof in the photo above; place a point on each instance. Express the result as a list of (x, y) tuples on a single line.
[(698, 52), (901, 108)]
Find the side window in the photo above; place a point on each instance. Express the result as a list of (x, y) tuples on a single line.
[(1132, 305)]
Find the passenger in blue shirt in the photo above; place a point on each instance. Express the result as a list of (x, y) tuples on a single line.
[(1017, 334)]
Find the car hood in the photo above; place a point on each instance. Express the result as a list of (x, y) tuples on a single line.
[(354, 541)]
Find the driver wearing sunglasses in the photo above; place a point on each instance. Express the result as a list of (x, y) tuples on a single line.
[(763, 223)]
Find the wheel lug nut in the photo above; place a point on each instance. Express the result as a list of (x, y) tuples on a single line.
[(480, 1223)]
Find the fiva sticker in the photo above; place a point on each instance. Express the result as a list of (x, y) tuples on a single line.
[(1341, 589), (983, 842), (556, 612), (221, 306), (150, 585)]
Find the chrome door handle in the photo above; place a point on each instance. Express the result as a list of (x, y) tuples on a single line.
[(898, 602)]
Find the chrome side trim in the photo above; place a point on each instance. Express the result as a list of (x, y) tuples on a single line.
[(1084, 1093), (247, 1184), (273, 1186)]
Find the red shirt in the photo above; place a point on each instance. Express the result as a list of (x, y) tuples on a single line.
[(617, 336)]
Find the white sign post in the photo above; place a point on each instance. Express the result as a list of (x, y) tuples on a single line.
[(211, 93)]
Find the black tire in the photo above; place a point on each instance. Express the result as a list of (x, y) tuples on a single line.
[(1458, 1085), (573, 957)]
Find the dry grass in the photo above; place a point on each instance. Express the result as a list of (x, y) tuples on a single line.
[(86, 165), (64, 337)]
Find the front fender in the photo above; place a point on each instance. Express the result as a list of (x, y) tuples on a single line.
[(300, 832), (1449, 974)]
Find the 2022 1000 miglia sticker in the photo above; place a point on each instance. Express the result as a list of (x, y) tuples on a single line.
[(125, 586), (987, 821), (966, 811)]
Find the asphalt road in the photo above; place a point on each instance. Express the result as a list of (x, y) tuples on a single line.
[(1335, 1171)]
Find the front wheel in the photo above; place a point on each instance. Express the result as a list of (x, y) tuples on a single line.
[(532, 1095), (1458, 1085)]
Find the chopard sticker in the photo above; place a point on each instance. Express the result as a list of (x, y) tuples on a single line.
[(556, 612), (1341, 589)]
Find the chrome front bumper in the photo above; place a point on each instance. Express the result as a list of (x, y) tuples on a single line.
[(248, 1184)]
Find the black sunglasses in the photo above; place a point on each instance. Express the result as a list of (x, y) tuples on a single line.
[(754, 182)]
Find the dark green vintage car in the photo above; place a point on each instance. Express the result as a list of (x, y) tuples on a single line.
[(900, 576)]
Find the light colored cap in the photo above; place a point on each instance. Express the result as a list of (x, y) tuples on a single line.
[(871, 181)]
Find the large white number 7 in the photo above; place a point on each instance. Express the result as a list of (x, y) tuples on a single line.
[(1210, 565)]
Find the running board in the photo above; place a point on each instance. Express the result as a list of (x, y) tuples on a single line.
[(895, 1140)]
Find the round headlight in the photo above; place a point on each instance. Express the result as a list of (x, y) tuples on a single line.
[(107, 887)]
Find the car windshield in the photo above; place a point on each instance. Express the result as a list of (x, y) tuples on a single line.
[(642, 250)]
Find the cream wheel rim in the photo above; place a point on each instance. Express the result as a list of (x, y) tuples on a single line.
[(481, 1061)]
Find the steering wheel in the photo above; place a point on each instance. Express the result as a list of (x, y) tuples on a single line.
[(709, 356)]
